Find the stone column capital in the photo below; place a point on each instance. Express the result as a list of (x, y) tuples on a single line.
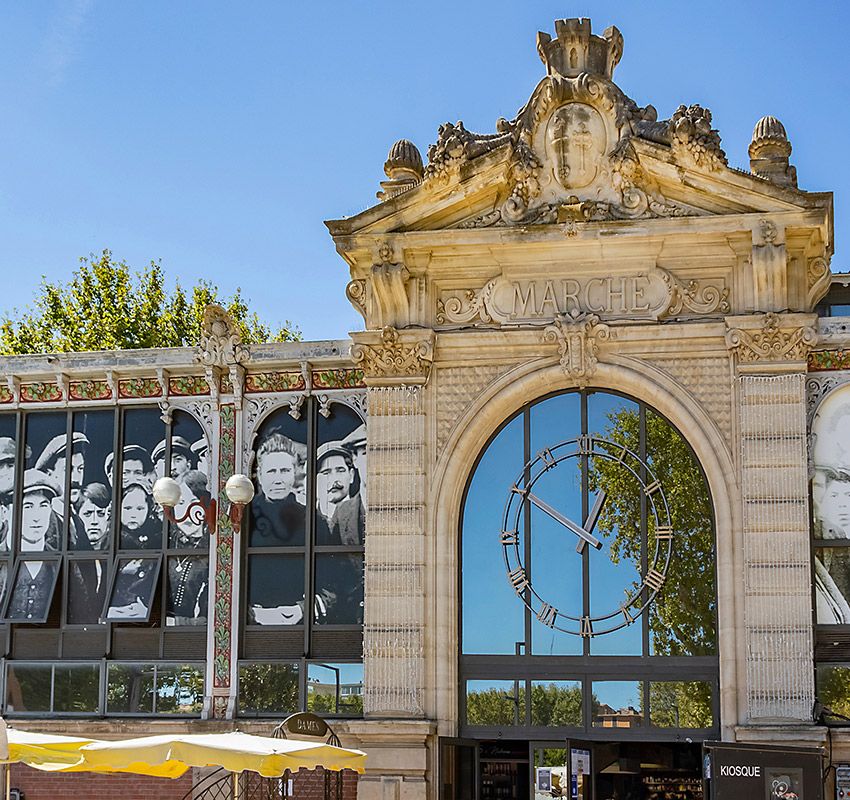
[(389, 356), (771, 343)]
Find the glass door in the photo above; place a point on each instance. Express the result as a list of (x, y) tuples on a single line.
[(458, 769), (561, 770)]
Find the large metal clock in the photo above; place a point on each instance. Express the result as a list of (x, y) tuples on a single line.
[(579, 535)]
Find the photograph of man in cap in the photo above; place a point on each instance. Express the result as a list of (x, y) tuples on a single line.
[(201, 451), (135, 465), (349, 520), (7, 490), (278, 518), (93, 508), (54, 462), (41, 526), (40, 529), (182, 459), (334, 476)]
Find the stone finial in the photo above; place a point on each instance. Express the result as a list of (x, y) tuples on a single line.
[(221, 341), (575, 49), (769, 153), (404, 169)]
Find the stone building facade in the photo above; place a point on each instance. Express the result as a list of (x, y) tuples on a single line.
[(586, 291)]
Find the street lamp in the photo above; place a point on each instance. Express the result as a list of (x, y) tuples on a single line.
[(239, 490)]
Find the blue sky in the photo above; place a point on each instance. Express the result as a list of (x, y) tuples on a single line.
[(217, 137)]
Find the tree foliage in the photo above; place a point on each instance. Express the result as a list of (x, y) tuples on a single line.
[(107, 306), (682, 619)]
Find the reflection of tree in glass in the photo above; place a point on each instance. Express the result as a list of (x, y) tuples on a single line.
[(682, 621), (76, 689), (833, 689), (495, 707), (553, 705), (325, 703), (680, 704), (267, 688), (179, 690)]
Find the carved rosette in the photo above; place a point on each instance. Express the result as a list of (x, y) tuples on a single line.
[(392, 356), (578, 343), (771, 338)]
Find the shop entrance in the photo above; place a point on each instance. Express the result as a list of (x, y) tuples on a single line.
[(570, 770)]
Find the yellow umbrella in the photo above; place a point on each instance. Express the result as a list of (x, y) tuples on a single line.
[(43, 750), (171, 755)]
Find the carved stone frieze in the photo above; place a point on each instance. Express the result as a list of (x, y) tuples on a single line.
[(650, 295), (578, 340), (390, 355), (221, 341), (770, 338)]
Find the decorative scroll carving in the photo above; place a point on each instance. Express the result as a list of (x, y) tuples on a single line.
[(221, 341), (472, 306), (700, 299), (693, 140), (771, 342), (578, 340), (355, 291), (818, 277), (391, 354), (40, 392), (818, 387), (204, 411)]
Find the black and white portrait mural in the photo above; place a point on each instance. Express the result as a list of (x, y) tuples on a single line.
[(831, 507), (308, 519)]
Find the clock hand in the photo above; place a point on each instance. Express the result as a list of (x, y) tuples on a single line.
[(567, 523), (592, 518)]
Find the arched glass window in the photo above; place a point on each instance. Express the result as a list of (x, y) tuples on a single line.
[(588, 574)]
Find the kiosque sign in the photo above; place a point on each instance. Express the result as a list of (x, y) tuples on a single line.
[(735, 771)]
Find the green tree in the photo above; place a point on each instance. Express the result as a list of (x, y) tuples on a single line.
[(682, 620), (107, 306)]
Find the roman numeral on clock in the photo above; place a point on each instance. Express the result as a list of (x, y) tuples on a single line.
[(627, 614), (664, 533), (586, 627), (545, 455), (652, 488), (518, 579), (508, 537), (654, 579), (547, 615)]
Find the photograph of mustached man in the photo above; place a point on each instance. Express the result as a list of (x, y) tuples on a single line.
[(340, 501)]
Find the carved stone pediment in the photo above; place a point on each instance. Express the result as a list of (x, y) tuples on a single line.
[(391, 356), (651, 295), (767, 340)]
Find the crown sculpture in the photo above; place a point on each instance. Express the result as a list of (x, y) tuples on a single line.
[(574, 151)]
